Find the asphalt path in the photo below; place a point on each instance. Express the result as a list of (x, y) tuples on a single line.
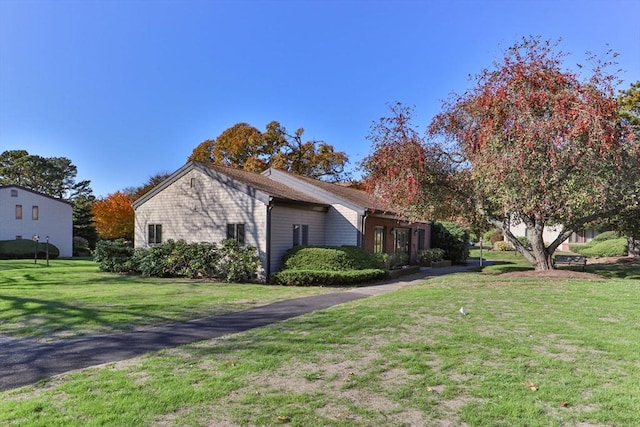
[(24, 361)]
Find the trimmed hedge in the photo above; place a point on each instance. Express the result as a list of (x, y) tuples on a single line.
[(328, 266), (326, 278), (611, 247), (331, 258), (25, 248)]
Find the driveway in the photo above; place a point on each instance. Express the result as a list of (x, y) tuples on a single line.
[(24, 362)]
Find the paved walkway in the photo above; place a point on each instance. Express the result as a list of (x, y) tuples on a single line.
[(25, 362)]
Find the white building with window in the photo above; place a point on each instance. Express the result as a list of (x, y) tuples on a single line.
[(25, 213)]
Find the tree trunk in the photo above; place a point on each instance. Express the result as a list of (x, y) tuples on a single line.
[(633, 246), (539, 251)]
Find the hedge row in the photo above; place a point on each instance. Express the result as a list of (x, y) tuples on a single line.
[(229, 261), (25, 248), (602, 248), (326, 278)]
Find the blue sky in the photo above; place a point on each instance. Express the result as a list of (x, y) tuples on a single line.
[(127, 89)]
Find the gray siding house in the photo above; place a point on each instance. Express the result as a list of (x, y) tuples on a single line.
[(272, 211), (26, 213)]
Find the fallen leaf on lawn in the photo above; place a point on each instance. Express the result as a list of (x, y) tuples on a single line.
[(530, 385), (283, 418), (429, 389), (564, 403)]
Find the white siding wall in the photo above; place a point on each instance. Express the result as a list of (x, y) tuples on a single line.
[(55, 219), (282, 220), (342, 226), (201, 213)]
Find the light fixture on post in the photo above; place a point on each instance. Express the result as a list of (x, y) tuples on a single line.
[(47, 251), (35, 254)]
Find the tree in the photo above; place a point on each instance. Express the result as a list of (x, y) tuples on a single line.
[(529, 143), (244, 146), (627, 221), (114, 217), (83, 224), (54, 176)]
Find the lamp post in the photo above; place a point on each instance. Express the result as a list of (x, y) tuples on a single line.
[(47, 251), (35, 254)]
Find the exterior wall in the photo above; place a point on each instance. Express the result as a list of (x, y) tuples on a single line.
[(343, 226), (282, 220), (55, 219), (549, 234), (197, 208), (390, 225)]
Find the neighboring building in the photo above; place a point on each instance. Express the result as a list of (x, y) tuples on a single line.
[(549, 234), (272, 211), (25, 213)]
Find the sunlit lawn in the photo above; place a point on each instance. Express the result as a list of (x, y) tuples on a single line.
[(72, 297), (530, 352)]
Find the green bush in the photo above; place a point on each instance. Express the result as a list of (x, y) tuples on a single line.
[(25, 248), (502, 246), (326, 278), (607, 235), (238, 263), (329, 258), (524, 241), (453, 238), (114, 256), (605, 248), (428, 256)]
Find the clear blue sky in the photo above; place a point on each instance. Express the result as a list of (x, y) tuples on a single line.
[(127, 89)]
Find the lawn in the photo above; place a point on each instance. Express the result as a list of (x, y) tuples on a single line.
[(73, 297), (529, 352)]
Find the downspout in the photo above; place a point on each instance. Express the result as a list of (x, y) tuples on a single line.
[(363, 229), (268, 255)]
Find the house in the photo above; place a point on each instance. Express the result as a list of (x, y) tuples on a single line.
[(272, 211), (549, 234), (26, 213)]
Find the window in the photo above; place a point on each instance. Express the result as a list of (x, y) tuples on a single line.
[(192, 183), (379, 240), (14, 192), (236, 231), (422, 234), (34, 213), (300, 234), (18, 237), (155, 234), (402, 240), (18, 211)]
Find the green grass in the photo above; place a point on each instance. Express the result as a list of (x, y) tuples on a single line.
[(72, 297), (530, 352)]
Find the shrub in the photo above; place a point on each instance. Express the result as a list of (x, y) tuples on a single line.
[(502, 246), (428, 256), (524, 241), (326, 278), (81, 246), (453, 238), (26, 248), (605, 248), (607, 235), (238, 263), (114, 256), (329, 258), (492, 236)]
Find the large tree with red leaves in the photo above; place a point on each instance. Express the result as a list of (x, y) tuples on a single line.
[(530, 142)]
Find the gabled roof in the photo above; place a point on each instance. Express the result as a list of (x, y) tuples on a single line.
[(20, 187), (242, 180), (349, 194)]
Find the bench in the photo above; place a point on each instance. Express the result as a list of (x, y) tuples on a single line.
[(570, 260)]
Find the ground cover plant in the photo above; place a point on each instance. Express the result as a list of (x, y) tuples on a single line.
[(73, 297), (530, 351)]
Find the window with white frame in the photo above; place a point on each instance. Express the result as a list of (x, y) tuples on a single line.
[(35, 213), (14, 192), (18, 211)]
